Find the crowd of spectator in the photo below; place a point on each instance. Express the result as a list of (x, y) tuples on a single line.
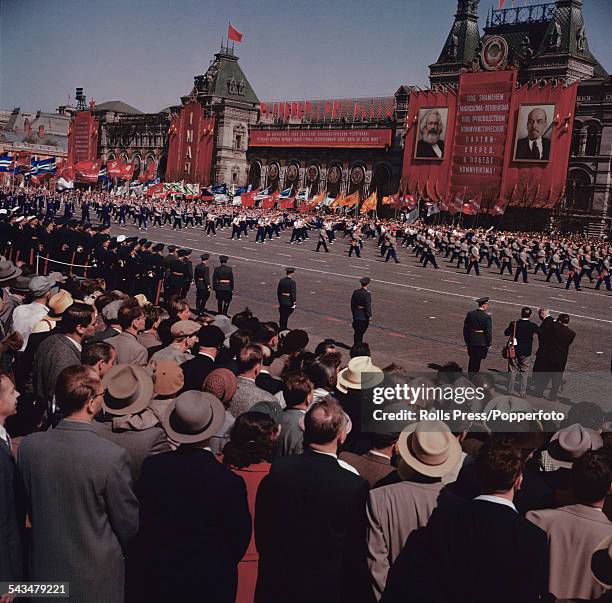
[(149, 454)]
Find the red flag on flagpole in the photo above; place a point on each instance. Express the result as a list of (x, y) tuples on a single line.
[(327, 106), (356, 111), (299, 111), (233, 34), (334, 109)]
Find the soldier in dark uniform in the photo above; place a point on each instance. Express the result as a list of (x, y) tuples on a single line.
[(478, 334), (168, 259), (223, 285), (202, 283), (176, 279), (185, 256), (287, 298), (361, 308)]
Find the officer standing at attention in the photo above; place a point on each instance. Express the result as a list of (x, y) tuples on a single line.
[(478, 334), (287, 298), (361, 308), (177, 279), (202, 283), (223, 285)]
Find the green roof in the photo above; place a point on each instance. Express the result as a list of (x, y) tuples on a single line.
[(225, 79)]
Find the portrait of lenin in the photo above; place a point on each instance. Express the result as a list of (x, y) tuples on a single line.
[(533, 133)]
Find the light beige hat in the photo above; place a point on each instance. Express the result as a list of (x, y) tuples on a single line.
[(359, 374), (429, 448), (58, 304), (129, 389), (570, 443), (142, 299)]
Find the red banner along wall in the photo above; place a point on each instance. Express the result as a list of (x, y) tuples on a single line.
[(190, 150)]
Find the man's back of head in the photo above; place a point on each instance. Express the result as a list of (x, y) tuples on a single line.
[(325, 423), (499, 466)]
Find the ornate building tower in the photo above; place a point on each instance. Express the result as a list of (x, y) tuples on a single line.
[(225, 92), (460, 46)]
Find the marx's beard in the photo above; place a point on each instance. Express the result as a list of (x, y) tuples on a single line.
[(432, 137)]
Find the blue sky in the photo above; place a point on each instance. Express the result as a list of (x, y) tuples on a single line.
[(146, 53)]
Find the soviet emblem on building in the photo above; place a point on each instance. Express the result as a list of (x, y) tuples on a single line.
[(292, 172), (357, 176), (273, 172), (494, 53), (333, 175), (312, 173)]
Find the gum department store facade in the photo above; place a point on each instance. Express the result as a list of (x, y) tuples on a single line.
[(546, 41)]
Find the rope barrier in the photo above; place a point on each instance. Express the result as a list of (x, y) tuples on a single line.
[(64, 263)]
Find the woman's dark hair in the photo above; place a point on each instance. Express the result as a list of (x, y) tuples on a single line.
[(238, 340), (298, 362), (321, 374), (252, 440)]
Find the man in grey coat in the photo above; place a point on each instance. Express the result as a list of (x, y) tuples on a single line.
[(129, 349), (62, 349), (80, 498), (129, 389), (297, 393), (247, 393)]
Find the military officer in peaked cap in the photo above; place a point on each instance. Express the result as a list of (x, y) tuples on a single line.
[(202, 283), (478, 334), (287, 297), (361, 308), (223, 285)]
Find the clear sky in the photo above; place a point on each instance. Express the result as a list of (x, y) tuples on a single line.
[(147, 52)]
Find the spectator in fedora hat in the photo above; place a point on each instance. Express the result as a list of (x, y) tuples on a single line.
[(565, 447), (167, 383), (195, 521), (128, 392), (428, 451), (58, 303), (575, 530), (487, 533)]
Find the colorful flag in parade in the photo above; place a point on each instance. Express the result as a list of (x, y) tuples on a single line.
[(369, 204), (113, 168), (286, 193), (88, 171), (263, 194), (499, 208), (412, 216), (351, 200), (233, 34), (338, 201), (432, 209), (127, 171), (6, 163), (43, 166)]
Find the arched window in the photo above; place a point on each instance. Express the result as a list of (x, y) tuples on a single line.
[(579, 190), (254, 178), (593, 139)]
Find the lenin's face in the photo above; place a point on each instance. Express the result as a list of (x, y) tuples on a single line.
[(433, 128), (536, 124)]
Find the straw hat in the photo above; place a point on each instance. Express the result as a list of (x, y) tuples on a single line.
[(58, 304), (129, 389), (429, 448), (193, 417), (359, 374), (570, 443)]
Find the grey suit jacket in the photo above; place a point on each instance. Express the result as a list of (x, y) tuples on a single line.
[(139, 444), (54, 354), (291, 438), (83, 510), (393, 513), (106, 333), (573, 533), (247, 394), (129, 350)]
